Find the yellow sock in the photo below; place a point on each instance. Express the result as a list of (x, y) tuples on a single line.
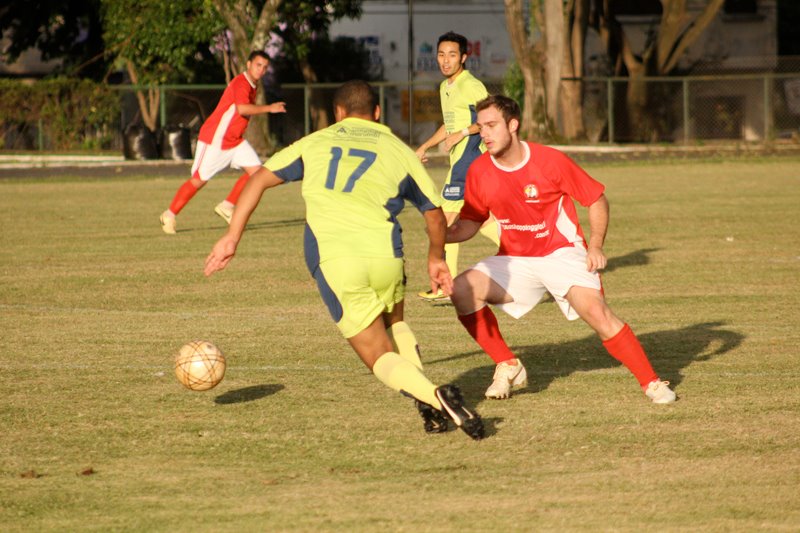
[(401, 376), (405, 343), (451, 256), (490, 231)]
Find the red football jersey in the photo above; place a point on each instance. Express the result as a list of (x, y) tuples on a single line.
[(532, 202), (226, 126)]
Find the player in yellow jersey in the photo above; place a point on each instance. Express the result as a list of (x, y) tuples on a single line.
[(459, 92), (356, 176)]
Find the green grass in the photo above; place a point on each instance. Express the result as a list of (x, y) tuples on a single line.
[(95, 300)]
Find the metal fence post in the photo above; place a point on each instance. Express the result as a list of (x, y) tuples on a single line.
[(306, 110), (380, 103), (685, 110), (162, 106), (610, 106), (767, 107)]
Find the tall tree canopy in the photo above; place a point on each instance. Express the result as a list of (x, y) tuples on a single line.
[(69, 31), (155, 41)]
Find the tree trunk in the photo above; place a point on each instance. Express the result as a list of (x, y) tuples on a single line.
[(317, 106), (576, 19), (149, 104), (528, 58), (250, 33), (676, 32), (554, 38)]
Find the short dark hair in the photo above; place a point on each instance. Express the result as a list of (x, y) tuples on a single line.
[(452, 37), (507, 106), (356, 97), (258, 53)]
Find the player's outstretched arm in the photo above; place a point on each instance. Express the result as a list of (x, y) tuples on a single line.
[(225, 248), (247, 110), (438, 271), (439, 136), (598, 225), (462, 230)]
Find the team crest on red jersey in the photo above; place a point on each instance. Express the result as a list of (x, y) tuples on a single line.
[(531, 193)]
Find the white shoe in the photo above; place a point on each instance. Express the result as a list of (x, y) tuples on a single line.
[(659, 392), (505, 378), (168, 224), (224, 211)]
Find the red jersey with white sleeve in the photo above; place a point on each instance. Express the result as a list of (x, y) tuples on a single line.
[(225, 126), (532, 202)]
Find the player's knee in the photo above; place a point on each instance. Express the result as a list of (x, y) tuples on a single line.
[(599, 317), (467, 293)]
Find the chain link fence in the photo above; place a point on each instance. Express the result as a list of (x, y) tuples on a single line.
[(755, 108)]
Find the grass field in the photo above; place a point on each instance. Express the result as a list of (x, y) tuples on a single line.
[(97, 434)]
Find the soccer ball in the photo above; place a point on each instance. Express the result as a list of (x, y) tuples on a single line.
[(200, 365)]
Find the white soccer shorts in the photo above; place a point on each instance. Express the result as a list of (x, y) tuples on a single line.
[(210, 159), (527, 279)]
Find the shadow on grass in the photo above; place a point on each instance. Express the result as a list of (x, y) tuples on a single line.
[(250, 227), (637, 258), (670, 352), (248, 394)]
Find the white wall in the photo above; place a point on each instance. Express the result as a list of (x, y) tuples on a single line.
[(385, 26)]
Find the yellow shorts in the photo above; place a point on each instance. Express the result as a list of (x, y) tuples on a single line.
[(358, 290)]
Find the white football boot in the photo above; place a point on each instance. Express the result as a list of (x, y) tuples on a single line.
[(224, 211), (659, 392), (505, 378), (168, 223)]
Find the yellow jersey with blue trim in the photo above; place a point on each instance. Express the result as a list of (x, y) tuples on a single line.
[(459, 99), (458, 111), (356, 177)]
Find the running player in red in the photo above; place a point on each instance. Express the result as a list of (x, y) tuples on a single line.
[(529, 188), (220, 143)]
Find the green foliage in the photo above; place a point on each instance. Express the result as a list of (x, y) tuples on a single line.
[(514, 84), (306, 21), (325, 57), (67, 31), (159, 38), (73, 113)]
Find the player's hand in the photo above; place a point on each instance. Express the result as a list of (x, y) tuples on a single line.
[(220, 255), (421, 154), (595, 259), (452, 140), (440, 277), (277, 107)]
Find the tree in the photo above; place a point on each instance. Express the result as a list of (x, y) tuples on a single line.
[(69, 31), (249, 23), (304, 27), (548, 50), (529, 52), (155, 42), (677, 30), (575, 22)]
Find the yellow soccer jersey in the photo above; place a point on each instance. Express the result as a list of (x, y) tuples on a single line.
[(356, 177), (459, 99), (458, 110)]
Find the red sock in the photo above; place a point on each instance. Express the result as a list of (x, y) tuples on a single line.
[(482, 325), (182, 197), (625, 348), (233, 196)]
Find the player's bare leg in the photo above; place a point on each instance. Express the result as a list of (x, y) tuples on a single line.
[(472, 292), (451, 256), (225, 208), (619, 340)]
